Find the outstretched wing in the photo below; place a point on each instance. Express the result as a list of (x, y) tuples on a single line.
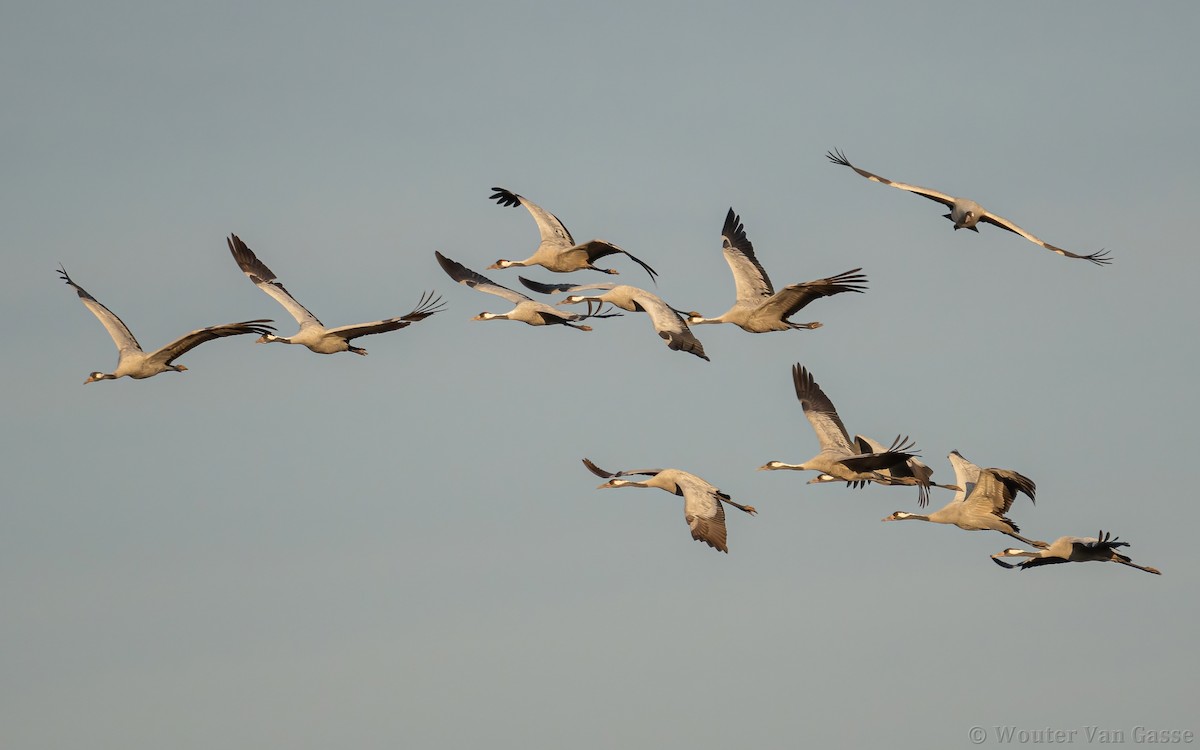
[(550, 228), (667, 322), (893, 460), (189, 341), (120, 333), (749, 277), (912, 471), (597, 249), (542, 288), (837, 157), (1105, 540), (597, 470), (264, 279), (624, 473), (966, 474), (428, 305), (877, 462), (793, 297), (822, 415), (704, 514), (996, 489), (1100, 257), (1034, 562), (467, 277)]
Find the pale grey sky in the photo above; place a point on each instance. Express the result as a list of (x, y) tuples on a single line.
[(279, 549)]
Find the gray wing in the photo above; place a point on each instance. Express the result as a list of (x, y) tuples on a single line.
[(793, 297), (913, 468), (749, 277), (550, 228), (822, 415), (597, 470), (542, 288), (428, 305), (189, 341), (668, 323), (1034, 562), (1100, 257), (1103, 540), (865, 444), (551, 314), (264, 279), (912, 471), (639, 472), (837, 157), (966, 474), (466, 276), (624, 473), (703, 512), (597, 249), (891, 461), (996, 489), (120, 333)]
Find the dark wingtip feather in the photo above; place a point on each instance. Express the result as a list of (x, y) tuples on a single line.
[(837, 157), (453, 269), (62, 272), (248, 261), (803, 381), (542, 288), (505, 197), (429, 304), (1110, 541), (735, 232), (261, 326), (649, 270), (851, 280), (904, 444), (601, 311), (597, 470)]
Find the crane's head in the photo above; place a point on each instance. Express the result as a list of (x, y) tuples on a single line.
[(823, 478), (94, 376), (899, 515), (775, 465), (996, 558), (490, 316), (620, 483), (502, 263), (1014, 552)]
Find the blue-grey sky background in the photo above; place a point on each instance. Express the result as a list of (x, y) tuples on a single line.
[(280, 549)]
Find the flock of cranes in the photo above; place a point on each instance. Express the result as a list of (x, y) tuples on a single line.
[(982, 496)]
